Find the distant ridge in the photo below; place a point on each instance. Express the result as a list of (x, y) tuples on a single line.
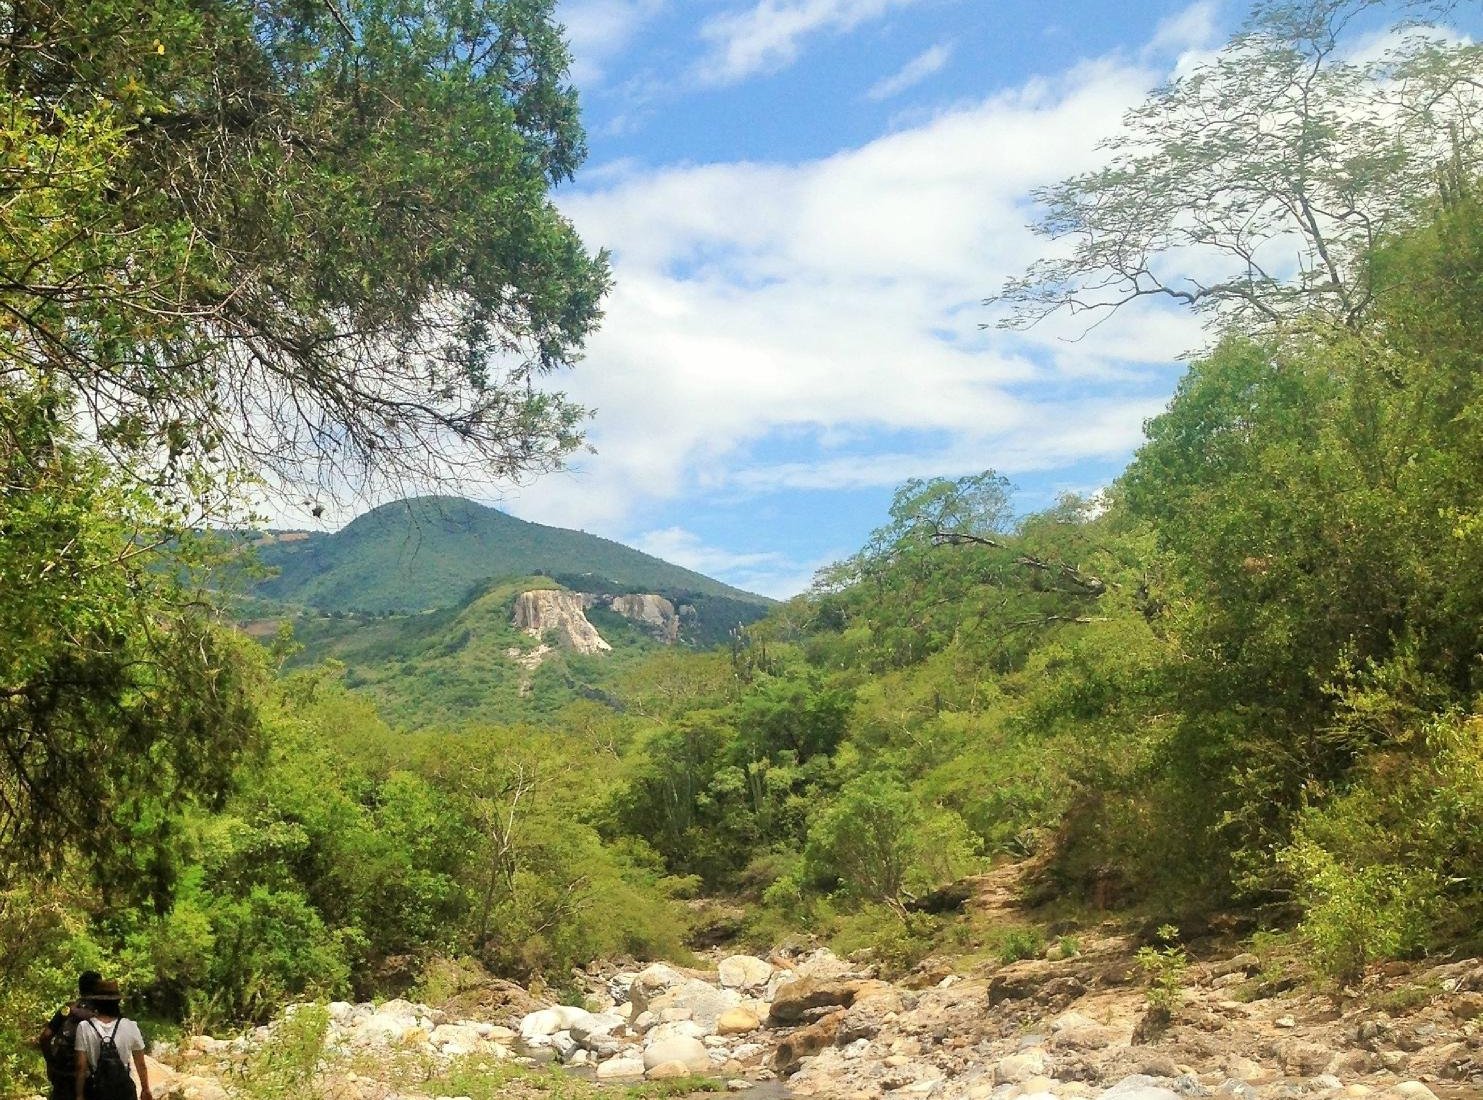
[(429, 552)]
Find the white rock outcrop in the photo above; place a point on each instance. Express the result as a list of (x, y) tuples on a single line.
[(654, 613), (549, 611)]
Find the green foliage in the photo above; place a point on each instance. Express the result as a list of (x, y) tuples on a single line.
[(895, 940), (120, 702), (878, 842), (435, 552), (283, 1067), (1013, 944), (1280, 124), (271, 235), (1390, 866), (1164, 968)]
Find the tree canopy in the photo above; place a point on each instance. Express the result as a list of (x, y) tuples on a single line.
[(313, 240), (1254, 187)]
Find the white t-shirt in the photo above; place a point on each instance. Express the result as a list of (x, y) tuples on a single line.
[(125, 1036)]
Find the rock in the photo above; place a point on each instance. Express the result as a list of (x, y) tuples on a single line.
[(823, 965), (1410, 1090), (694, 1000), (1304, 1059), (1467, 1006), (1070, 1021), (667, 1071), (195, 1088), (807, 1041), (1245, 964), (1016, 1068), (870, 1012), (737, 1021), (931, 971), (390, 1024), (1231, 1089), (455, 1039), (548, 1021), (618, 1068), (655, 613), (1138, 1087), (1284, 1022), (687, 1051), (551, 610), (794, 999), (593, 1027), (565, 1046), (744, 972), (651, 982), (682, 1029), (1088, 1037)]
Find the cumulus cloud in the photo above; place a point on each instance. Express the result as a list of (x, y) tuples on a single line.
[(599, 30), (816, 326), (771, 574), (927, 63), (769, 35)]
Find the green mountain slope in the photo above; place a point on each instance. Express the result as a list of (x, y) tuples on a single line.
[(461, 664), (430, 552)]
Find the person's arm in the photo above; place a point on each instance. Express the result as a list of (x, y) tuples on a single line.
[(82, 1074), (143, 1072)]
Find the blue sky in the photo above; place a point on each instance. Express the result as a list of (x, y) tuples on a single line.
[(806, 203)]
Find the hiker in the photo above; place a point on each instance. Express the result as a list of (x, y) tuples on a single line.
[(106, 1045), (58, 1039)]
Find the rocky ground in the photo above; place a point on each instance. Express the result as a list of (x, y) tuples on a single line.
[(1076, 1023)]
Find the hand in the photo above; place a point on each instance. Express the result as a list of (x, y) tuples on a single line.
[(145, 1094)]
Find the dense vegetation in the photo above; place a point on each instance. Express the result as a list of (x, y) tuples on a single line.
[(428, 552), (1245, 676)]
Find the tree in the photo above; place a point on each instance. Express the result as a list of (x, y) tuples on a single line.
[(1254, 187), (308, 239), (120, 699)]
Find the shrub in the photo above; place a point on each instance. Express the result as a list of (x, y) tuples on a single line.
[(1165, 969), (1014, 944)]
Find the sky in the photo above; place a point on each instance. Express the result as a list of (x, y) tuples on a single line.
[(807, 202)]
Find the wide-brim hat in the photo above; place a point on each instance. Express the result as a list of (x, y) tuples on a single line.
[(106, 990)]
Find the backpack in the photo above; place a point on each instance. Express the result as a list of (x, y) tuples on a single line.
[(61, 1049), (110, 1079)]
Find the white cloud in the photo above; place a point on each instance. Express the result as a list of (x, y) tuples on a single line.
[(599, 30), (816, 325), (771, 574), (768, 36), (927, 63), (837, 302)]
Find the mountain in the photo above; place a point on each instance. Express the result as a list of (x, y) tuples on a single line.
[(431, 552)]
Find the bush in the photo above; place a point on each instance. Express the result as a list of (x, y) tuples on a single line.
[(1395, 860), (1014, 944)]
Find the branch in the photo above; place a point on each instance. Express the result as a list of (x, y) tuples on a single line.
[(1088, 584)]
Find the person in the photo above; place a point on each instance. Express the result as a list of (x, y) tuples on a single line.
[(58, 1039), (107, 1024)]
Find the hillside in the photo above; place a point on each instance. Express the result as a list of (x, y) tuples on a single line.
[(429, 552), (469, 663)]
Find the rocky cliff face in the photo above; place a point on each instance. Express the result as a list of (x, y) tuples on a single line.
[(654, 613), (560, 613)]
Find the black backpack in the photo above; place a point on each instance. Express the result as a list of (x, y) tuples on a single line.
[(110, 1079), (61, 1049)]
